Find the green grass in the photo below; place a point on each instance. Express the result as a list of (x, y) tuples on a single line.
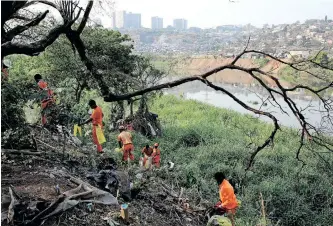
[(160, 64), (295, 77), (293, 194), (261, 62)]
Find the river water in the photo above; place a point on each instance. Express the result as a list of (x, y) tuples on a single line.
[(253, 97)]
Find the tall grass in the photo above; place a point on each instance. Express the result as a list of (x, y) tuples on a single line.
[(294, 194)]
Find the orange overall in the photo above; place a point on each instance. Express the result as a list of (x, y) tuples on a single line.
[(97, 120), (156, 157), (126, 139), (228, 202), (46, 101), (4, 74)]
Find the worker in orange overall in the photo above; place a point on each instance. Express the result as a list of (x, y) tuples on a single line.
[(146, 153), (228, 202), (125, 142), (48, 99), (97, 121), (156, 156), (4, 72)]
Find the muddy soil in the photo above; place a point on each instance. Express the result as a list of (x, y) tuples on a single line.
[(33, 179)]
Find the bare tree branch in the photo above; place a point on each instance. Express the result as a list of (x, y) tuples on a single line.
[(21, 28), (237, 100), (85, 16), (68, 11)]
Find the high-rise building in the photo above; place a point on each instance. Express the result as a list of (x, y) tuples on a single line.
[(133, 20), (156, 22), (113, 20), (180, 24), (121, 19)]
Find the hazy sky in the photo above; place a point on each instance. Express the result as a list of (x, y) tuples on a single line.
[(211, 13)]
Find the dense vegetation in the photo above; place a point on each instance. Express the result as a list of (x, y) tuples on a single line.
[(294, 194), (199, 139), (294, 77)]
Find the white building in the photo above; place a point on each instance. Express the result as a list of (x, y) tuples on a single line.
[(299, 54), (156, 22)]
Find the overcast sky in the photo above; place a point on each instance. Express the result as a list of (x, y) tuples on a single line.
[(211, 13)]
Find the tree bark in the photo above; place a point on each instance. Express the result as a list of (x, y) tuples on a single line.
[(117, 113)]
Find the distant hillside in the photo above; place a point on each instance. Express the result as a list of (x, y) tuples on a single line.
[(198, 65)]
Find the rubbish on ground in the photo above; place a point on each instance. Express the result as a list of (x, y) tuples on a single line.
[(139, 176), (109, 219), (90, 207), (171, 165), (113, 180), (111, 222), (124, 212), (83, 194), (57, 189)]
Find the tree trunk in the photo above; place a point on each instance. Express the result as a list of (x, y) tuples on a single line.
[(143, 105), (145, 122), (117, 113)]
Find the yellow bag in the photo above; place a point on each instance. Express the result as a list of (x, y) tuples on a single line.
[(118, 150), (100, 136), (149, 162), (76, 129), (239, 202), (219, 220)]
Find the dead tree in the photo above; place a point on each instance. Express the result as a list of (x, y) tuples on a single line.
[(16, 24), (308, 132), (70, 12)]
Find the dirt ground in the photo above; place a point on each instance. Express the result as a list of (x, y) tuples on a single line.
[(197, 66), (32, 179)]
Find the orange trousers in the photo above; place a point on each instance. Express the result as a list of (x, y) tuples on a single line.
[(94, 135), (128, 152), (157, 161), (44, 105)]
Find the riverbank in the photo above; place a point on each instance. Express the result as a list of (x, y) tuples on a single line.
[(254, 97), (203, 139), (195, 65)]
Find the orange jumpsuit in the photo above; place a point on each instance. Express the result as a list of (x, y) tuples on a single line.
[(97, 120), (156, 157), (147, 153), (228, 200), (4, 74), (126, 139), (46, 101)]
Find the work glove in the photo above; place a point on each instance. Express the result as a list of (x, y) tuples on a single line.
[(218, 205)]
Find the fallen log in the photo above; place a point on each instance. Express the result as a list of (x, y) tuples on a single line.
[(47, 145), (18, 152), (10, 216), (47, 210)]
